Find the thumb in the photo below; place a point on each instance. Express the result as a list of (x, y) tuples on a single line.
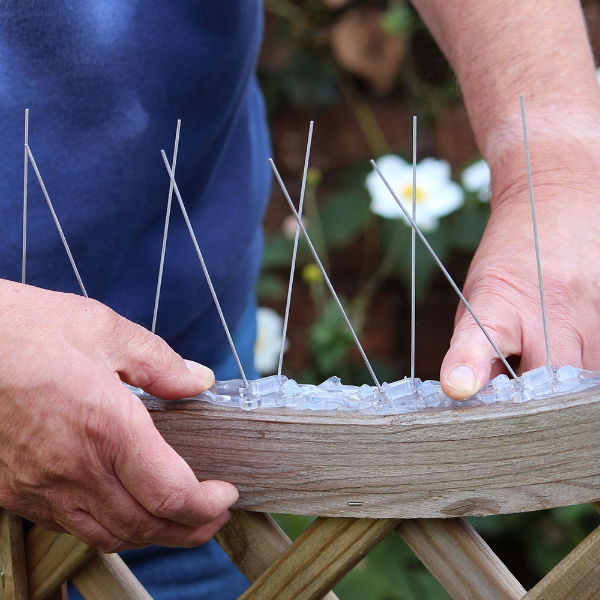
[(471, 361), (145, 360), (160, 479)]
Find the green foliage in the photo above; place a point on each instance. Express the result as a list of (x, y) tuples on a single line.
[(344, 216), (390, 572), (293, 525), (396, 239), (306, 83), (277, 252), (330, 340), (468, 225), (398, 19), (270, 287)]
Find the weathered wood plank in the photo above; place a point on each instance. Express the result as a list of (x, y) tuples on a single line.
[(576, 577), (107, 577), (457, 556), (501, 458), (318, 559), (53, 558), (60, 594), (254, 542), (13, 570)]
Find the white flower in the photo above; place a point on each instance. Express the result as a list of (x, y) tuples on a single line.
[(268, 340), (437, 194), (477, 178)]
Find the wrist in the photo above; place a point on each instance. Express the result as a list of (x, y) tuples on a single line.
[(564, 150)]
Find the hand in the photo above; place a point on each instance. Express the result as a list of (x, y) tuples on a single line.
[(78, 452), (502, 283)]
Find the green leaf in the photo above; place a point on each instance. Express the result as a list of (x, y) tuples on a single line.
[(425, 269), (308, 81), (270, 287), (344, 216), (397, 20), (390, 572), (467, 227), (293, 525), (329, 339), (277, 252)]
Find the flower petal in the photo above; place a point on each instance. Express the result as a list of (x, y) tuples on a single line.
[(427, 223), (268, 340), (397, 172), (433, 170), (476, 177), (447, 199)]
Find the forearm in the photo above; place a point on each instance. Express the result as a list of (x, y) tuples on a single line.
[(500, 49)]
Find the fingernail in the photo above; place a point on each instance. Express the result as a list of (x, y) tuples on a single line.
[(200, 371), (462, 378)]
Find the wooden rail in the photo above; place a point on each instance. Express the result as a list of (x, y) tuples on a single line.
[(500, 458)]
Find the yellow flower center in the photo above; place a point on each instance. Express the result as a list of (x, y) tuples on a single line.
[(407, 190), (311, 273)]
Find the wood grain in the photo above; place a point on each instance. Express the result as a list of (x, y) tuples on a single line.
[(107, 577), (53, 558), (457, 556), (13, 571), (319, 558), (576, 577), (61, 593), (254, 542), (501, 458)]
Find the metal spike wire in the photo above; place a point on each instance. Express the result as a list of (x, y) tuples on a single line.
[(25, 173), (413, 251), (536, 240), (56, 221), (324, 273), (444, 271), (166, 229), (204, 268), (294, 251)]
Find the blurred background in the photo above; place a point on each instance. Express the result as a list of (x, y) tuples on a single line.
[(361, 70)]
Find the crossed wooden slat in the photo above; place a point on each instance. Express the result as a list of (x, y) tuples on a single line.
[(306, 569)]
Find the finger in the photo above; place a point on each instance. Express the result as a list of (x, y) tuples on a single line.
[(147, 361), (52, 526), (122, 515), (37, 512), (471, 360), (566, 347), (160, 480), (84, 527)]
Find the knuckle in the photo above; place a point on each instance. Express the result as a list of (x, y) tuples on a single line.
[(51, 475), (100, 314), (106, 326), (493, 281), (155, 357), (562, 288)]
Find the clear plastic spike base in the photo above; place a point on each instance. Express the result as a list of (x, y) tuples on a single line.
[(404, 396)]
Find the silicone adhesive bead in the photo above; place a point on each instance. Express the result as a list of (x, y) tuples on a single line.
[(398, 397)]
